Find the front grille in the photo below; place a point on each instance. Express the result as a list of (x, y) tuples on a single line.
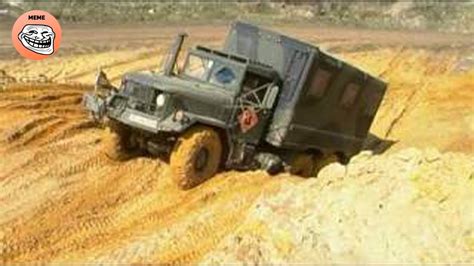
[(143, 94), (118, 102), (141, 98)]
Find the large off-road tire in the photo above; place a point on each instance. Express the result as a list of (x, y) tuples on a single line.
[(116, 143), (196, 156), (302, 164)]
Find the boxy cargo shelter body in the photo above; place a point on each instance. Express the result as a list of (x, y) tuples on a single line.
[(325, 103)]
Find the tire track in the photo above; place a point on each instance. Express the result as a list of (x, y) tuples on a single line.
[(77, 230), (26, 127), (183, 215)]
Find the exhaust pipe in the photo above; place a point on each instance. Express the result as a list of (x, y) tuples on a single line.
[(173, 54)]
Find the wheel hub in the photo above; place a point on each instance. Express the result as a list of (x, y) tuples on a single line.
[(201, 159)]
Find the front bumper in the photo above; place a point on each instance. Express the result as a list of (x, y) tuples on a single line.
[(95, 105), (100, 108), (148, 122)]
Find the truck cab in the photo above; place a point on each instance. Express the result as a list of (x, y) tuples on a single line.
[(213, 91)]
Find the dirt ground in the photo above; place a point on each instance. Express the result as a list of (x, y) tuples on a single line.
[(62, 200)]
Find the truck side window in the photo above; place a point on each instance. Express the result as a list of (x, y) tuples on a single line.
[(349, 95), (223, 76), (319, 83), (198, 67)]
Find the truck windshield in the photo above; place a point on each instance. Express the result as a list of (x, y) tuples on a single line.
[(209, 70)]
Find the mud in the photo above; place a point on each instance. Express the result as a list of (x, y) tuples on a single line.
[(63, 200)]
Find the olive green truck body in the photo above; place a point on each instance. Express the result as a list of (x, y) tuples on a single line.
[(324, 103), (273, 100)]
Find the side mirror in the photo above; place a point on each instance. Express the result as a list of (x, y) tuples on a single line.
[(270, 97)]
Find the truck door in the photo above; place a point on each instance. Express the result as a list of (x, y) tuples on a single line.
[(253, 108)]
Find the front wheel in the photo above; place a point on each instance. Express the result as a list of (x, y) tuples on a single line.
[(196, 156), (116, 142)]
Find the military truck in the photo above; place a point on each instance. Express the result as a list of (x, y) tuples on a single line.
[(265, 101)]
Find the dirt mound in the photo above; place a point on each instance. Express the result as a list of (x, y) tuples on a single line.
[(412, 206)]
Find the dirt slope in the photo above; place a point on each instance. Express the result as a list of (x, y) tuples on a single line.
[(62, 200), (411, 207), (429, 101)]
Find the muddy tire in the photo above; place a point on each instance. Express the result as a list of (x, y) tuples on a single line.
[(116, 143), (302, 165), (195, 157)]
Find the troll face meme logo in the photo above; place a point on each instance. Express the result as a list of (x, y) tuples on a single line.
[(36, 35), (38, 38)]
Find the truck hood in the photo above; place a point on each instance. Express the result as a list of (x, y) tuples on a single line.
[(185, 87)]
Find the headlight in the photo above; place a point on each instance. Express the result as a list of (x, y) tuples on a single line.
[(160, 100), (179, 116)]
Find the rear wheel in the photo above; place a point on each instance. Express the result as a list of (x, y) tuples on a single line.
[(324, 159), (302, 164), (196, 156)]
